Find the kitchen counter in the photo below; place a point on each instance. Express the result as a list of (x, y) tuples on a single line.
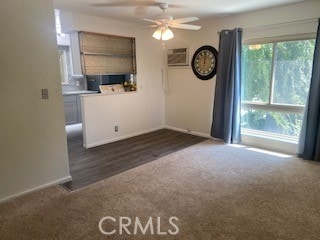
[(78, 92)]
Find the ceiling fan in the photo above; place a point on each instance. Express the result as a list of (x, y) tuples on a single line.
[(164, 21), (140, 5)]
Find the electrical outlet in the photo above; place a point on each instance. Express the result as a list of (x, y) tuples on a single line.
[(116, 128), (45, 93)]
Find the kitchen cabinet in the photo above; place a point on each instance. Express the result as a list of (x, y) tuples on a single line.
[(71, 109), (72, 106), (103, 54), (79, 109)]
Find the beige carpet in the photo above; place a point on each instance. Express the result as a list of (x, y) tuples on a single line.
[(216, 191)]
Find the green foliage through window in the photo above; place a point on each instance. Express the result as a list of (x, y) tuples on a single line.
[(256, 73), (276, 74)]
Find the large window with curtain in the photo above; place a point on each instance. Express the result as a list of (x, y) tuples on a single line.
[(275, 82)]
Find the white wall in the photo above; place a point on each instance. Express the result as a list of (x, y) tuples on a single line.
[(190, 102), (32, 135), (135, 112)]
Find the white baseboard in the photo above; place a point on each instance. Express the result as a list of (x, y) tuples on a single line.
[(59, 181), (189, 132), (121, 137)]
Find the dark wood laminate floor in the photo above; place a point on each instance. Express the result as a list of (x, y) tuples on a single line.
[(90, 165)]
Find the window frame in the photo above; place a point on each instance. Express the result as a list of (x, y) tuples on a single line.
[(270, 106)]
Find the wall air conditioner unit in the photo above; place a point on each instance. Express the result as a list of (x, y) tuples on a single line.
[(178, 57)]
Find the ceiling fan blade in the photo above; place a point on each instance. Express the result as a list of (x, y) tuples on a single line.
[(124, 4), (185, 20), (140, 27), (140, 10), (113, 4), (134, 3), (152, 21), (173, 5), (185, 26)]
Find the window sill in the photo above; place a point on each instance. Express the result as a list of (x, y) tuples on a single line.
[(269, 141), (270, 136)]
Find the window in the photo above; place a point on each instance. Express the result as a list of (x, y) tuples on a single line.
[(63, 67), (275, 83)]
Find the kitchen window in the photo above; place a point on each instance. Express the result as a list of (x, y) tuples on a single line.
[(63, 67), (275, 83)]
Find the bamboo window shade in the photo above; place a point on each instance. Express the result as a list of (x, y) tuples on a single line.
[(107, 54)]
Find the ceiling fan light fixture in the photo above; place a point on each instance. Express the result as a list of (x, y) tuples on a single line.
[(167, 34), (163, 33), (157, 34)]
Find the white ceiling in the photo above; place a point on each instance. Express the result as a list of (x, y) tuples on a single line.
[(134, 13)]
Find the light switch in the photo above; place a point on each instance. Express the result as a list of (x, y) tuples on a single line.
[(45, 93)]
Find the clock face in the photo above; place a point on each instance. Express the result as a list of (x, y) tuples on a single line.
[(204, 62)]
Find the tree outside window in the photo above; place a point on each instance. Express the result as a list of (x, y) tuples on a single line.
[(275, 84)]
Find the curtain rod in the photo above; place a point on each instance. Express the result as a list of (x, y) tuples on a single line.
[(281, 24)]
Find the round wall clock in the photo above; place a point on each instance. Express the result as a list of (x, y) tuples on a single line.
[(204, 62)]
